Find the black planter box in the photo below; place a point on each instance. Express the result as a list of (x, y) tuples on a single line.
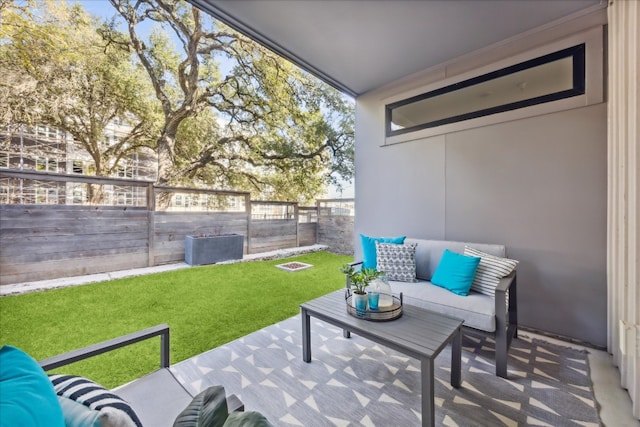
[(212, 249)]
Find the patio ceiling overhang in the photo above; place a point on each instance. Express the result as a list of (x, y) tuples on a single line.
[(361, 45)]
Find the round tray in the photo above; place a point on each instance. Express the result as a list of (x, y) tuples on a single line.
[(392, 312)]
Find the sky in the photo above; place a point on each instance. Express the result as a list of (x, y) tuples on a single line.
[(104, 9)]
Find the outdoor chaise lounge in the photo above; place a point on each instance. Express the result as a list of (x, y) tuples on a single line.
[(155, 400), (491, 309)]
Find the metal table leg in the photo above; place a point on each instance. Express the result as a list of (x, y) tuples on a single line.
[(456, 359), (306, 336), (428, 406)]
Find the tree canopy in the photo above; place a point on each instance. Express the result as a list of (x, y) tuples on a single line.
[(258, 124), (59, 71)]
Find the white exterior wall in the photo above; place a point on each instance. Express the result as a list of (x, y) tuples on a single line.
[(623, 239)]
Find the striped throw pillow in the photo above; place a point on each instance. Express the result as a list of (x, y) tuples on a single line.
[(490, 270), (111, 409)]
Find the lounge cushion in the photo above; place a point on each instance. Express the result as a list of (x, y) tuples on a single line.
[(158, 409), (112, 410), (397, 261), (455, 272), (27, 397), (369, 259), (490, 270)]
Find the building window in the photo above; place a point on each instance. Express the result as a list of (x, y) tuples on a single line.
[(124, 171), (41, 164), (46, 164), (547, 78), (192, 200), (4, 159), (47, 196), (78, 166), (79, 196), (124, 199)]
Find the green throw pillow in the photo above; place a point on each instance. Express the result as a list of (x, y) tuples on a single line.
[(207, 409), (247, 419), (455, 272)]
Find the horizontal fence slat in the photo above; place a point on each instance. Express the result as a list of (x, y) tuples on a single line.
[(72, 267), (39, 242)]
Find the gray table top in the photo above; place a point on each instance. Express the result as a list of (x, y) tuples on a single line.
[(418, 332)]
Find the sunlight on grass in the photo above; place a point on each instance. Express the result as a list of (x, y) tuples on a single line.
[(205, 307)]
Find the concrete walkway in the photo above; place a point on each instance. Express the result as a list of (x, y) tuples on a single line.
[(21, 288)]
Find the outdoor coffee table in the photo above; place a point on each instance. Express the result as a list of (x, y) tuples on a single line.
[(418, 333)]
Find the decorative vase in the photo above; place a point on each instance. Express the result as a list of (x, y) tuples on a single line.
[(360, 302), (382, 287)]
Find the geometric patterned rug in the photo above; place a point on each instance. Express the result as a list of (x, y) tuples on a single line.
[(356, 382)]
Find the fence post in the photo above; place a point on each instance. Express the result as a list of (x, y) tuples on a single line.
[(317, 221), (248, 207), (151, 223), (296, 212)]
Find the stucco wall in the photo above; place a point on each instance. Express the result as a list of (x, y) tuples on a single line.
[(536, 184)]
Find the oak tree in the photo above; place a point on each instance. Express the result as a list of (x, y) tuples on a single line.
[(264, 125)]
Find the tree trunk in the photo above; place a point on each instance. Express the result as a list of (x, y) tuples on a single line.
[(166, 156)]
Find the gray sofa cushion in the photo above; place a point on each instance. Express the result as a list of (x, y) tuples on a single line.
[(429, 252), (477, 310)]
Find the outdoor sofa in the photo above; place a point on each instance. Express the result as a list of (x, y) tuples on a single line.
[(491, 309), (155, 400)]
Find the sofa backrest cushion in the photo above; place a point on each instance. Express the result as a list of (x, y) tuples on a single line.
[(429, 252)]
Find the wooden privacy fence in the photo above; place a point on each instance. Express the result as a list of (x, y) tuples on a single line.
[(60, 225)]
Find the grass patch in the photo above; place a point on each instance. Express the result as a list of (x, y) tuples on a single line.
[(205, 307)]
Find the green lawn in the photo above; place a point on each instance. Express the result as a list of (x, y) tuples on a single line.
[(205, 307)]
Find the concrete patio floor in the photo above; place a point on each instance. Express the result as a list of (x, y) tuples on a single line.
[(615, 403)]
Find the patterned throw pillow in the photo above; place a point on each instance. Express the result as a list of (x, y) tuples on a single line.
[(397, 261), (490, 270), (112, 410)]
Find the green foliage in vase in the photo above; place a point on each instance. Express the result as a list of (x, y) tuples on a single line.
[(359, 280)]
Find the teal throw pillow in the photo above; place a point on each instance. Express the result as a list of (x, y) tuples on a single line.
[(27, 397), (455, 272), (369, 259)]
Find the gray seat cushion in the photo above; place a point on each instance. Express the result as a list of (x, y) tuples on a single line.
[(156, 398), (477, 310)]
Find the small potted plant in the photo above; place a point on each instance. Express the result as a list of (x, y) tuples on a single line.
[(359, 280)]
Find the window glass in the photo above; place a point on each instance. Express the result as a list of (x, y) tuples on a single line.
[(548, 78)]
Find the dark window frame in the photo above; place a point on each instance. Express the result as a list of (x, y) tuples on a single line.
[(577, 53)]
